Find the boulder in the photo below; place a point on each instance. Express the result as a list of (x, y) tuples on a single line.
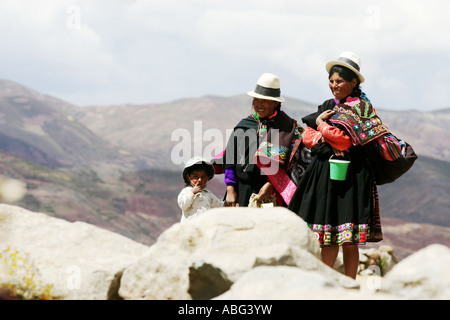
[(422, 275), (203, 257), (372, 261), (42, 257), (223, 254), (292, 283), (377, 260)]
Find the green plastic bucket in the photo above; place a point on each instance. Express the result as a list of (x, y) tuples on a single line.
[(338, 169)]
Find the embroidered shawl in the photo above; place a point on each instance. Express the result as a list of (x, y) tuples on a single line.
[(274, 157), (360, 119), (279, 140)]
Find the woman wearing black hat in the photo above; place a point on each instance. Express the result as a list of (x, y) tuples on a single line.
[(343, 213)]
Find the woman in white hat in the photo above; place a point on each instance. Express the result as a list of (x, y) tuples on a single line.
[(342, 213), (263, 155)]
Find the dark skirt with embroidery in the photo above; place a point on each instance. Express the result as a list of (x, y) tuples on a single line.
[(338, 212)]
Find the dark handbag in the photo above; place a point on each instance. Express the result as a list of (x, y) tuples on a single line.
[(386, 171)]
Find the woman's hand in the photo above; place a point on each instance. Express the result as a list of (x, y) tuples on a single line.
[(265, 192), (231, 198), (339, 153), (324, 116)]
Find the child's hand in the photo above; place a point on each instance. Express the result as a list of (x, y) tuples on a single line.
[(196, 188)]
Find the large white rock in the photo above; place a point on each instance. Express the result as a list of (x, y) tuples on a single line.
[(273, 283), (203, 257), (48, 258), (422, 275), (292, 283)]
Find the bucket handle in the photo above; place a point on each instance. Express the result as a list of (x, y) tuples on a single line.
[(347, 156)]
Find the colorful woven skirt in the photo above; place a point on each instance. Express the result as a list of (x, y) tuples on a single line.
[(339, 212)]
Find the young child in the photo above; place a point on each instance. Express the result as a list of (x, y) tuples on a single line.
[(195, 198)]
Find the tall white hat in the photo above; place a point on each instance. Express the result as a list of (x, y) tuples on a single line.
[(267, 87), (350, 60), (198, 160)]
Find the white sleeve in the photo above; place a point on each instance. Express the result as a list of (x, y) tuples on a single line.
[(185, 198), (215, 202)]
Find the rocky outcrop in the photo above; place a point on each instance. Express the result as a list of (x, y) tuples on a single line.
[(224, 254), (48, 258), (372, 261), (423, 275), (202, 258), (293, 283)]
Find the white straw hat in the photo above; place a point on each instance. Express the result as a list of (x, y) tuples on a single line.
[(198, 160), (267, 87), (350, 60)]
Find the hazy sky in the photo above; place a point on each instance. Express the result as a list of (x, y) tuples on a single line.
[(124, 51)]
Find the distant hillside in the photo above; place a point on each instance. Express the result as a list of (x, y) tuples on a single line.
[(422, 195), (55, 133), (142, 204), (427, 132), (111, 165), (139, 205), (146, 130), (38, 128)]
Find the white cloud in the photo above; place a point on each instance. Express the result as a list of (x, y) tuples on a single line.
[(159, 50), (43, 47)]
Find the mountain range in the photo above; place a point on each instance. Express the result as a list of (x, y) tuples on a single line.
[(114, 165)]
